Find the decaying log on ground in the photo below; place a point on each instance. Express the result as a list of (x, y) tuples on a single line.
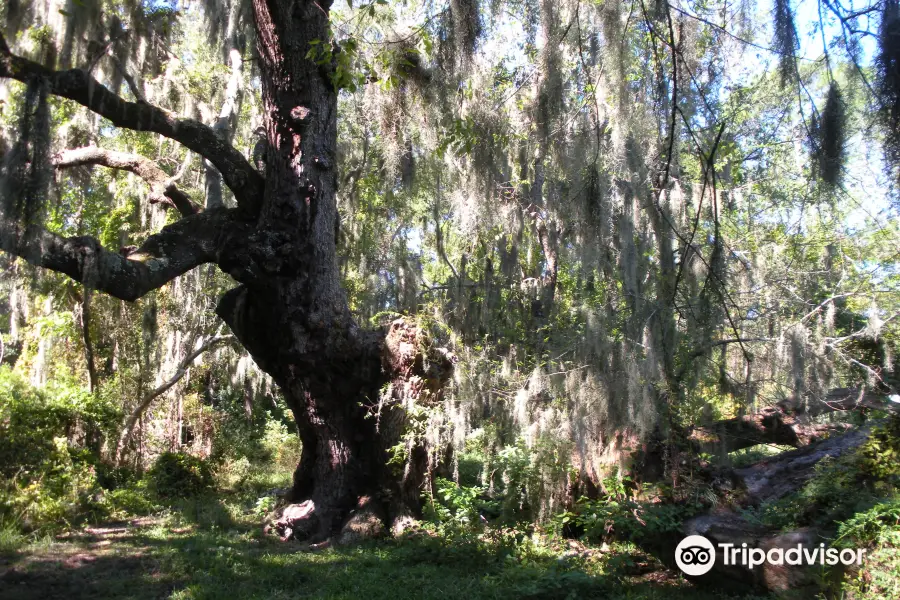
[(786, 425), (768, 480), (727, 527), (784, 473)]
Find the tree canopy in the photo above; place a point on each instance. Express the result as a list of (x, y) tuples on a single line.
[(621, 222)]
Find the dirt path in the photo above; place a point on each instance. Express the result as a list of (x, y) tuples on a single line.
[(96, 562)]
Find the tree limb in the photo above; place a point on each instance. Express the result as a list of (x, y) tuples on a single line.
[(134, 415), (176, 249), (161, 185), (78, 85), (88, 342)]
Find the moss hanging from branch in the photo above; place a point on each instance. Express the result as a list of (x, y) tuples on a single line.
[(26, 170), (888, 82), (829, 132), (466, 27), (786, 43)]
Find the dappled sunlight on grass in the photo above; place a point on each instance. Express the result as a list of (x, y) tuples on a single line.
[(190, 551)]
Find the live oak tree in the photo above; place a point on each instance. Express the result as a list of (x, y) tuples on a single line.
[(612, 242), (289, 311)]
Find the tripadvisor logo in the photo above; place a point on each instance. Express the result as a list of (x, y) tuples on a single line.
[(696, 555)]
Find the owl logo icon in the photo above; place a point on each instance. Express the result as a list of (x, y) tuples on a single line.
[(695, 555)]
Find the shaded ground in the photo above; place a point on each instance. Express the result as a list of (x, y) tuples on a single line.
[(211, 556), (111, 561)]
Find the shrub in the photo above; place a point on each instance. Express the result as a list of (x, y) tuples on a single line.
[(879, 525), (879, 457), (457, 506), (264, 506), (131, 500), (179, 475), (234, 474), (452, 503), (281, 444), (620, 516), (877, 529), (49, 453), (32, 420)]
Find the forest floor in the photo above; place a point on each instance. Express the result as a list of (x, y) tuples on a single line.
[(204, 552)]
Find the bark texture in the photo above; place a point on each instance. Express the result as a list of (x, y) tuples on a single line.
[(291, 312), (175, 250), (348, 388)]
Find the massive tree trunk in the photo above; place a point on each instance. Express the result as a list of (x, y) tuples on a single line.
[(291, 312), (347, 387)]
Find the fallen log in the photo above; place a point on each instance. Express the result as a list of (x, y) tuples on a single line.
[(785, 424), (784, 473), (728, 530), (769, 426)]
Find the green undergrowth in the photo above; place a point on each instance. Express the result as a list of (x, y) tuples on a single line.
[(56, 473), (625, 512), (206, 547)]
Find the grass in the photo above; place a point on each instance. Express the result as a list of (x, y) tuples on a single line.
[(214, 548)]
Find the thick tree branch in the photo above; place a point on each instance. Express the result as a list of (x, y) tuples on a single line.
[(161, 185), (176, 249), (78, 85)]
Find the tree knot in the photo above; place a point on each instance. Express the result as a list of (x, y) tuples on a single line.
[(301, 115)]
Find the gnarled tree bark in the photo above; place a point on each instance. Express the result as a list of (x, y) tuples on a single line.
[(347, 387)]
